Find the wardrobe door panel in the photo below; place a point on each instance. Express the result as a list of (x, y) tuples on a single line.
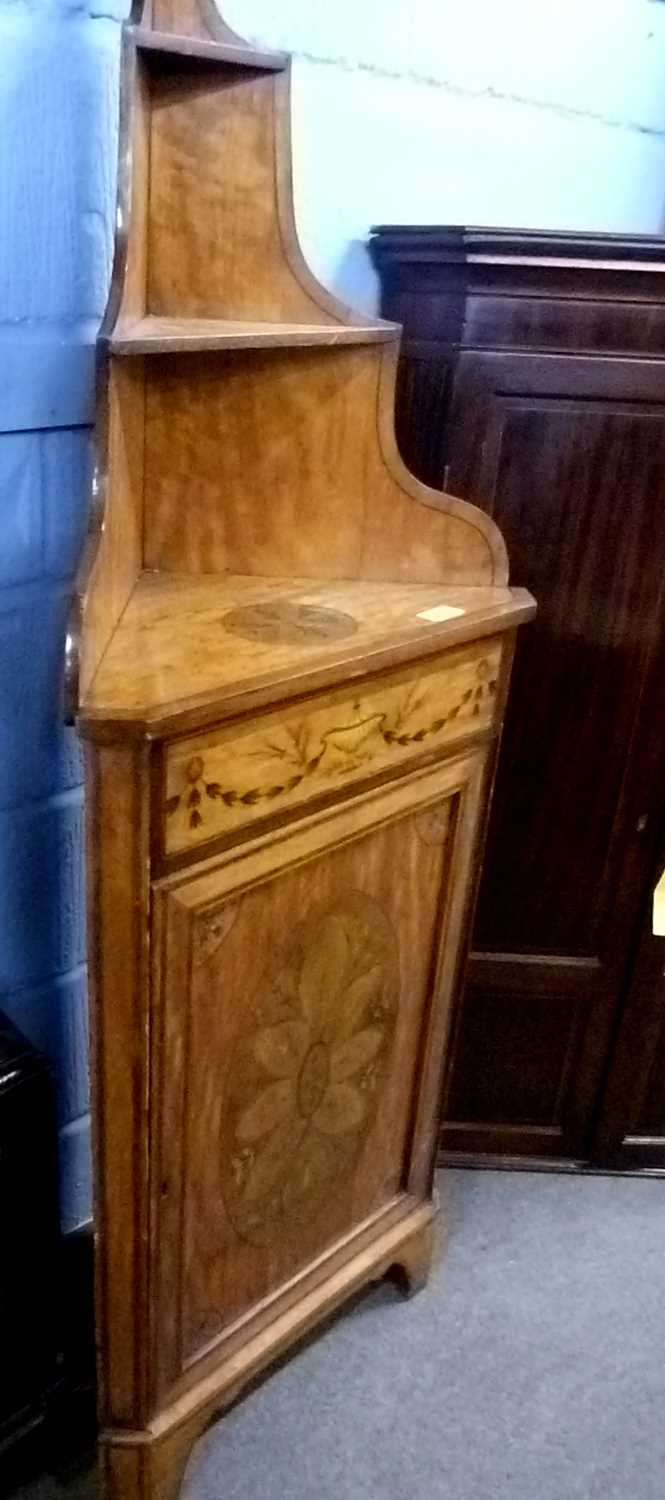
[(631, 1126), (571, 464)]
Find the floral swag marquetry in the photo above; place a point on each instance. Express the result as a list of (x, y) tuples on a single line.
[(305, 1079), (297, 754)]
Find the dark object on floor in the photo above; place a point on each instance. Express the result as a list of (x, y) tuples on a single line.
[(47, 1335), (532, 380), (28, 1239), (71, 1419)]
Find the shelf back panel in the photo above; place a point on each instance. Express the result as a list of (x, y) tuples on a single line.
[(271, 463)]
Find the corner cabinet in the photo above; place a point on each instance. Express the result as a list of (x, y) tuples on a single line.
[(533, 378), (289, 661)]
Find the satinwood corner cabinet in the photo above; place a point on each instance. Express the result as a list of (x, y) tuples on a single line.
[(289, 661)]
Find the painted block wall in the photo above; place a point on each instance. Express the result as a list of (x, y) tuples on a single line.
[(58, 90), (546, 114)]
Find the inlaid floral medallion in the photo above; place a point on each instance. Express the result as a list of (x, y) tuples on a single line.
[(287, 621), (306, 1076)]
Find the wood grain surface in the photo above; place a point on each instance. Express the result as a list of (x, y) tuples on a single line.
[(115, 542), (295, 665), (219, 782), (533, 376), (182, 49), (359, 930), (215, 235), (186, 18), (172, 661), (113, 550), (316, 501), (155, 335), (207, 259), (118, 902)]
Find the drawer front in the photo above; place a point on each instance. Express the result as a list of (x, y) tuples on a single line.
[(230, 777)]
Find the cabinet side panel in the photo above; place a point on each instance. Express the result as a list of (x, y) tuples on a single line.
[(130, 268), (113, 552), (118, 503), (465, 846), (116, 781)]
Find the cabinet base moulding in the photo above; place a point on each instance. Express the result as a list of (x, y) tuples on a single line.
[(152, 1462)]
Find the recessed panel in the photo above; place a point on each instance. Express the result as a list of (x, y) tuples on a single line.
[(297, 1030), (579, 496), (512, 1059)]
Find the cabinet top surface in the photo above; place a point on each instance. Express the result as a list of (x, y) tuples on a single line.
[(190, 649)]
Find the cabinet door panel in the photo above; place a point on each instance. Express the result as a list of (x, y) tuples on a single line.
[(631, 1126), (581, 670), (569, 457), (297, 1013)]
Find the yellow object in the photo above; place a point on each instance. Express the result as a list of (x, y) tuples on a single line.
[(659, 908)]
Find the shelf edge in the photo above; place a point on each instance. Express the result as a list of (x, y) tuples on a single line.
[(137, 339), (198, 49)]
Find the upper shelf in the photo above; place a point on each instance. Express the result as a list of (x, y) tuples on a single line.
[(191, 49), (153, 335), (288, 466)]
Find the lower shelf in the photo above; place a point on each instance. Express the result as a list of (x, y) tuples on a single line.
[(164, 335)]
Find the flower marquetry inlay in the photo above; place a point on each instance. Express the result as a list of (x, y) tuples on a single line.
[(305, 1080), (287, 622)]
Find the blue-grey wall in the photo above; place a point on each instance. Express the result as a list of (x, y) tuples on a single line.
[(58, 106), (545, 113), (550, 113)]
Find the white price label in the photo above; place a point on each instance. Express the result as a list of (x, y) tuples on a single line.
[(440, 612)]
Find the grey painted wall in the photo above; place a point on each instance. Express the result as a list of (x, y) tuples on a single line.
[(58, 105)]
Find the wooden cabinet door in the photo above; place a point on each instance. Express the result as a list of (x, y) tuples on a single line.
[(631, 1125), (301, 998), (568, 455)]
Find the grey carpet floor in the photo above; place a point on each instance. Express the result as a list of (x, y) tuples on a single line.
[(532, 1367)]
